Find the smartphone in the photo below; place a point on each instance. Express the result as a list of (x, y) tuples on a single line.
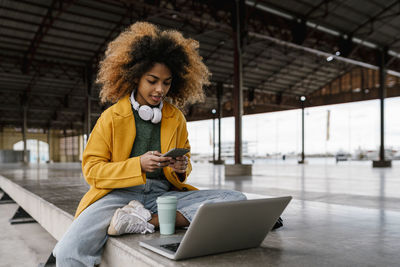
[(176, 152)]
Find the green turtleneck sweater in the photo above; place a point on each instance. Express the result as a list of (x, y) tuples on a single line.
[(147, 139)]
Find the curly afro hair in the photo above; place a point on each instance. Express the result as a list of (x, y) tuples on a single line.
[(137, 49)]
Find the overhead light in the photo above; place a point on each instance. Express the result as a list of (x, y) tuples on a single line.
[(302, 98), (337, 53), (330, 58), (213, 111)]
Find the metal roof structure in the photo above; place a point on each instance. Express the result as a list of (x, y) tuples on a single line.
[(328, 51)]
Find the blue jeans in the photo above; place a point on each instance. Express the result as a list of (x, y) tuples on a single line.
[(82, 244)]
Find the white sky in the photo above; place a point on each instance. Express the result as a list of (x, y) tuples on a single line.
[(352, 126)]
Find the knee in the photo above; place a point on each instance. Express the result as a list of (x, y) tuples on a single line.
[(234, 195), (66, 253), (65, 256), (61, 254), (240, 195)]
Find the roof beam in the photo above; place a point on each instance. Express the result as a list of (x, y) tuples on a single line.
[(321, 53), (96, 56), (316, 26), (371, 20), (44, 27)]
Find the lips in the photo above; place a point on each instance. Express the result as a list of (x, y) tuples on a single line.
[(156, 98)]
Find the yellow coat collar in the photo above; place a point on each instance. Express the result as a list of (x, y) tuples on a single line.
[(124, 129)]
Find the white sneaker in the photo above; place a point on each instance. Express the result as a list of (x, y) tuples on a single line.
[(135, 204), (128, 220), (135, 207)]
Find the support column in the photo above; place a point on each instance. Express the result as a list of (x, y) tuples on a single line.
[(88, 119), (81, 145), (65, 146), (24, 129), (238, 82), (74, 142), (213, 134), (219, 113), (238, 17), (48, 142), (382, 162), (38, 150), (88, 85), (302, 99), (1, 137)]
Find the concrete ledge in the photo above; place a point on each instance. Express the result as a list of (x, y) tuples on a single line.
[(119, 251), (238, 170), (381, 163), (53, 219), (56, 221)]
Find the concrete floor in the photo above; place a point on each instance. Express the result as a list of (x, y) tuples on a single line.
[(22, 244), (345, 214)]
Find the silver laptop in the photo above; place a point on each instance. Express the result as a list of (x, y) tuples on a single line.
[(222, 227)]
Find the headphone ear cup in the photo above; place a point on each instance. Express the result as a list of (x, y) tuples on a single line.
[(157, 115), (145, 112)]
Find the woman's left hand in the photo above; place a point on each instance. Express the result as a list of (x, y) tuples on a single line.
[(179, 164)]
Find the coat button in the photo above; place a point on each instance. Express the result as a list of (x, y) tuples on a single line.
[(184, 189)]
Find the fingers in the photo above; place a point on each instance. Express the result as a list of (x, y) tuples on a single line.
[(158, 163), (183, 158), (179, 164), (157, 160), (154, 160), (165, 159), (180, 170), (156, 153)]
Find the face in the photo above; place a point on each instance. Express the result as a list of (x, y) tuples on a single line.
[(154, 85)]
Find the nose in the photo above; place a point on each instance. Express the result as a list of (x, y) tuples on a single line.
[(160, 88)]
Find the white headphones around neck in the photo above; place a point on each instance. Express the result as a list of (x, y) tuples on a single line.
[(147, 113)]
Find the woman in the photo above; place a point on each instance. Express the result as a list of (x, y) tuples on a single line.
[(122, 162)]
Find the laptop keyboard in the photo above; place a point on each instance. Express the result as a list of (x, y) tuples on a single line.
[(173, 247)]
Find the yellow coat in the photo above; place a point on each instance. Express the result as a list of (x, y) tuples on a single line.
[(106, 164)]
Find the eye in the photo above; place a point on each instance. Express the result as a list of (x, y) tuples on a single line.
[(167, 83), (151, 82)]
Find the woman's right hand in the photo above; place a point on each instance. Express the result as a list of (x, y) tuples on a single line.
[(152, 160)]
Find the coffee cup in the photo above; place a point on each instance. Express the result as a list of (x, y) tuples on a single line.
[(166, 206)]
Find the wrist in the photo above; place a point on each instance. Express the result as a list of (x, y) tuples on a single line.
[(141, 163)]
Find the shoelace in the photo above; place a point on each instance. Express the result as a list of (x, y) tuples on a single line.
[(141, 226), (140, 210)]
